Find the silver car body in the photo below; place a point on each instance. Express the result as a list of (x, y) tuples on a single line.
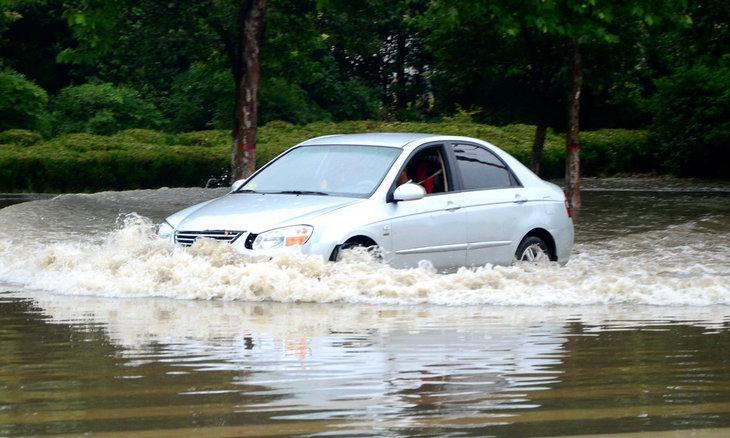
[(451, 229)]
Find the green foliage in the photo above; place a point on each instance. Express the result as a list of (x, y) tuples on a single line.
[(34, 36), (20, 137), (283, 100), (509, 58), (42, 170), (22, 103), (200, 98), (414, 60), (204, 139), (102, 109), (378, 46), (138, 135), (303, 79), (87, 162), (141, 159), (84, 142), (89, 20), (617, 151), (347, 99), (692, 121)]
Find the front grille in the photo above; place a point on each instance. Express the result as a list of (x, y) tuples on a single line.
[(187, 238)]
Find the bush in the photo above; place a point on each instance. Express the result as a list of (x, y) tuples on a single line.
[(692, 121), (21, 137), (204, 138), (47, 169), (102, 109), (612, 151), (22, 103), (142, 136), (83, 142)]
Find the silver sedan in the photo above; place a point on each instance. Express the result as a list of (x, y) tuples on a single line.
[(453, 201)]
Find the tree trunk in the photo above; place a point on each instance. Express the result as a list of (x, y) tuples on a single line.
[(572, 162), (246, 77), (400, 72), (537, 147)]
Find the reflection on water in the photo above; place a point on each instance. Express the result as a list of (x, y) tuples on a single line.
[(84, 364), (632, 335)]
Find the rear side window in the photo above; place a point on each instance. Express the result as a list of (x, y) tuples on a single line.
[(481, 169)]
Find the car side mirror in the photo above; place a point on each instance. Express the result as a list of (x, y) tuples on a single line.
[(408, 192), (237, 184)]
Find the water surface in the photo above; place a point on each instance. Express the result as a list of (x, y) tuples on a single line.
[(106, 330)]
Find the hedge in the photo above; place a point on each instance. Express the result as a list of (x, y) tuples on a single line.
[(21, 137), (138, 158)]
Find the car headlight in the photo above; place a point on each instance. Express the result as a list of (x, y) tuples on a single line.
[(283, 237), (165, 230)]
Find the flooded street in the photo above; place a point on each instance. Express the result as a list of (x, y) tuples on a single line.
[(104, 329)]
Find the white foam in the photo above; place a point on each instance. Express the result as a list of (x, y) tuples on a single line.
[(681, 265)]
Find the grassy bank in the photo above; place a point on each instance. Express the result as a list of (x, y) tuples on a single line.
[(148, 159)]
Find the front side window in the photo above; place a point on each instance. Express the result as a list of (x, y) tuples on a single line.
[(481, 169), (427, 169), (340, 170)]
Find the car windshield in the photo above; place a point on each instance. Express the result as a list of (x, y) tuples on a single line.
[(340, 170)]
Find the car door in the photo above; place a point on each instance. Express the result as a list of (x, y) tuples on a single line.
[(432, 228), (493, 201)]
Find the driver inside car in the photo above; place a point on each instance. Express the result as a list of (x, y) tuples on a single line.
[(426, 170)]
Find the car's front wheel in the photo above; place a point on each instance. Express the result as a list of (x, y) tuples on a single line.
[(532, 249), (368, 245)]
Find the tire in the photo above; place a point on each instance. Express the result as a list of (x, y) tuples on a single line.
[(374, 250), (532, 249)]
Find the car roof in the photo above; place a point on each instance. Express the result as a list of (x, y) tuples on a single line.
[(394, 139)]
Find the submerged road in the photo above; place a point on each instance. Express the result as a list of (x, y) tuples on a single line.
[(106, 330)]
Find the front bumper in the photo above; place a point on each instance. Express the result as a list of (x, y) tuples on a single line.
[(241, 245)]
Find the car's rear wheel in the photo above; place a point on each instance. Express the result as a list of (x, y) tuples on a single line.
[(532, 249)]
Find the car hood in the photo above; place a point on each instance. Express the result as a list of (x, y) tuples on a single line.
[(256, 212)]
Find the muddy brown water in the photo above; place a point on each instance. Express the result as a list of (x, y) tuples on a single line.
[(105, 330)]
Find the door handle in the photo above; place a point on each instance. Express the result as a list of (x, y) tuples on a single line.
[(452, 206), (519, 199)]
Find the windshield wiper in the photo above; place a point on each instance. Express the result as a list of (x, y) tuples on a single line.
[(300, 192), (246, 191)]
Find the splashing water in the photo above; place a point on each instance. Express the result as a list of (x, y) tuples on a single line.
[(61, 246)]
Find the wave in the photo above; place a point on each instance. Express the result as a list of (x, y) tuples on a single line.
[(678, 265)]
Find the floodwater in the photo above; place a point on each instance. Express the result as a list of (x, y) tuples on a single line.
[(106, 330)]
